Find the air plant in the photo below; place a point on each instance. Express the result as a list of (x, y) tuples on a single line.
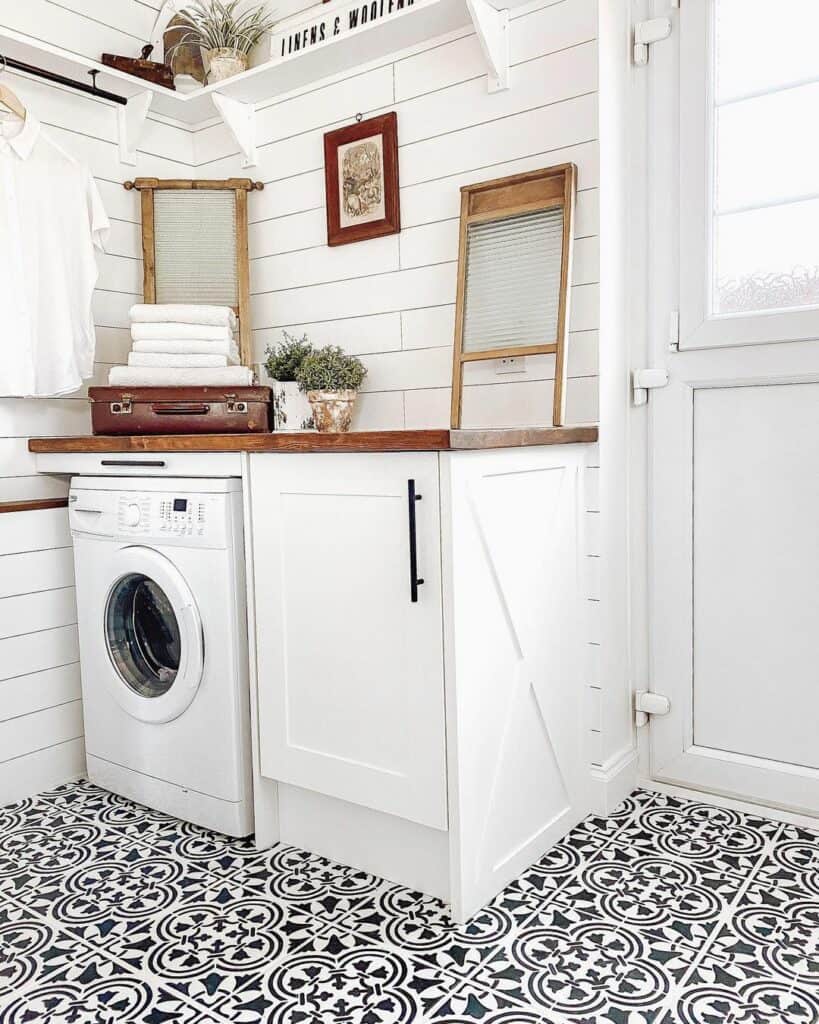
[(214, 25)]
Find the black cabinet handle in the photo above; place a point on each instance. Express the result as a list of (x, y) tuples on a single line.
[(415, 581), (158, 463)]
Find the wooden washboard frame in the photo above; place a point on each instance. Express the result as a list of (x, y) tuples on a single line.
[(500, 199), (241, 187)]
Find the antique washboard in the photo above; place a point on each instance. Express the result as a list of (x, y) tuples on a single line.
[(514, 269), (195, 247)]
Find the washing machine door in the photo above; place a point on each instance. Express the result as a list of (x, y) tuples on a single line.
[(153, 634)]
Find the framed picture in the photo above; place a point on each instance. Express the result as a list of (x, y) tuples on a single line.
[(361, 179)]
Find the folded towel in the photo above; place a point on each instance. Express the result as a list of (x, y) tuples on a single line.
[(219, 316), (172, 376), (169, 359), (192, 348), (180, 332)]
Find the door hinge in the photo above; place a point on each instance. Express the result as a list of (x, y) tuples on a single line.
[(646, 33), (648, 703), (643, 381)]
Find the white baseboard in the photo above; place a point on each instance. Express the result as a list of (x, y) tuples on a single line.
[(41, 770), (613, 781)]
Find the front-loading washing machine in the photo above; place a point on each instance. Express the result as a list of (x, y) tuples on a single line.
[(163, 644)]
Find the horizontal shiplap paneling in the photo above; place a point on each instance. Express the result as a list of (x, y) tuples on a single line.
[(40, 729), (45, 609), (40, 770), (34, 652), (30, 572), (25, 695)]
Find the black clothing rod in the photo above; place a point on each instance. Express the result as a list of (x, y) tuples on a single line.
[(51, 76)]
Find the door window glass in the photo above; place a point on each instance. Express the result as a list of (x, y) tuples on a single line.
[(142, 634), (766, 164)]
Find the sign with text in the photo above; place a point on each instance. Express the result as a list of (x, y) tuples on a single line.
[(332, 24)]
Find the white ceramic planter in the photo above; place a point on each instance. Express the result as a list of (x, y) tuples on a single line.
[(291, 410)]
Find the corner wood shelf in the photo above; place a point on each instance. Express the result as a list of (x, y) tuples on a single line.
[(235, 100)]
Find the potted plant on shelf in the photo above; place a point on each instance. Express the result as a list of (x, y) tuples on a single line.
[(281, 365), (331, 379), (224, 36)]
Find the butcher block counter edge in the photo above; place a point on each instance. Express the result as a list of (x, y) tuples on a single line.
[(309, 441)]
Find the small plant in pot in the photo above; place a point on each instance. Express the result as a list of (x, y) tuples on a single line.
[(282, 364), (224, 36), (331, 379)]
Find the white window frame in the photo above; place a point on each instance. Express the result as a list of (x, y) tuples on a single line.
[(699, 328)]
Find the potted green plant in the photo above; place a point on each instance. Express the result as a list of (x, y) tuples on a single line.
[(281, 366), (224, 36), (331, 379)]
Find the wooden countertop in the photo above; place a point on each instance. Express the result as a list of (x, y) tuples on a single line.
[(309, 441)]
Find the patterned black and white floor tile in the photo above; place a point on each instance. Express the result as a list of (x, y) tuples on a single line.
[(666, 912)]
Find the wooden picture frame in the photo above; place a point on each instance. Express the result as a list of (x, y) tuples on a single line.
[(148, 187), (344, 223), (507, 204)]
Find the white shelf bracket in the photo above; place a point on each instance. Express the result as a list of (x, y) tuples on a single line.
[(492, 29), (240, 119), (131, 120)]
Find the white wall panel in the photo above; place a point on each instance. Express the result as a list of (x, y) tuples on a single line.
[(25, 531), (31, 571), (45, 728), (44, 610), (33, 652), (38, 691), (554, 27)]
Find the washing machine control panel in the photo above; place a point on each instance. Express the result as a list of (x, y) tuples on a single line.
[(183, 516), (188, 519)]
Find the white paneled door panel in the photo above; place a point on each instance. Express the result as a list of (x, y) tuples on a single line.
[(351, 700), (733, 582), (756, 586), (735, 578)]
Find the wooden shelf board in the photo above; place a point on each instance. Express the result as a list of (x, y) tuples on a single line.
[(33, 505), (308, 441)]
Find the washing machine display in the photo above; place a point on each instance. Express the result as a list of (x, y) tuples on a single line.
[(142, 633)]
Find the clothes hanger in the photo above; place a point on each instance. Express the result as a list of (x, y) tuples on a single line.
[(8, 98)]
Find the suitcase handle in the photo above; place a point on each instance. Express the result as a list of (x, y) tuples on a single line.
[(180, 409)]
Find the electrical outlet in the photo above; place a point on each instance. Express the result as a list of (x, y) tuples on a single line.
[(510, 364)]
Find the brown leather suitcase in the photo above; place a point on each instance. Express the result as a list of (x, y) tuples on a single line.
[(184, 410)]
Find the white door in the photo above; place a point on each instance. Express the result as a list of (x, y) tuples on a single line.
[(733, 236), (349, 641)]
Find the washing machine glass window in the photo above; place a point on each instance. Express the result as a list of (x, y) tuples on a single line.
[(143, 637)]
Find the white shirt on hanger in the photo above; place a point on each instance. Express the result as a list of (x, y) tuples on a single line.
[(51, 217)]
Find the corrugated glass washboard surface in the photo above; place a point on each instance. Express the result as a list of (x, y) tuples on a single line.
[(195, 246), (512, 294)]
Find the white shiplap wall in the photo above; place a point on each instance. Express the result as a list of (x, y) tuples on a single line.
[(391, 300), (40, 708)]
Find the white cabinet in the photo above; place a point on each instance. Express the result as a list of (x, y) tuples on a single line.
[(350, 660), (440, 743)]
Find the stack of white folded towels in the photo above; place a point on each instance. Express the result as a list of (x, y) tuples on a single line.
[(182, 346)]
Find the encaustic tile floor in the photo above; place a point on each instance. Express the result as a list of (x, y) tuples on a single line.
[(668, 911)]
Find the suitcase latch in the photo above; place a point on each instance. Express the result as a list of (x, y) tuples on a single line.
[(122, 407), (234, 406)]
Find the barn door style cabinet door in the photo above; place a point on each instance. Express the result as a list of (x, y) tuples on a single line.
[(419, 659)]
